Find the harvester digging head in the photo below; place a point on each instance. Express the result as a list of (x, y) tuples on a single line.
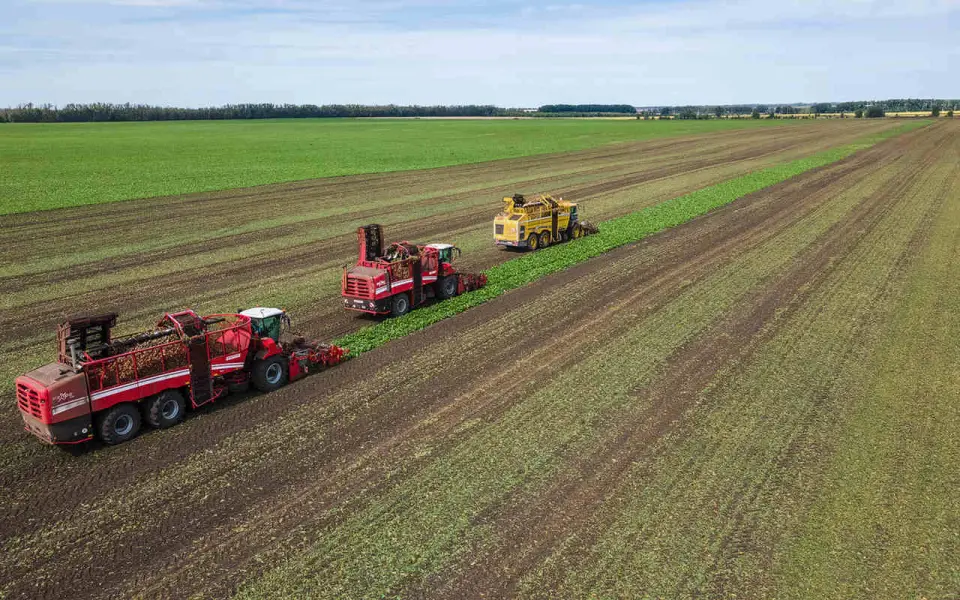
[(589, 228)]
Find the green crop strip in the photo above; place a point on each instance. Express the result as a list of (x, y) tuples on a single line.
[(614, 233)]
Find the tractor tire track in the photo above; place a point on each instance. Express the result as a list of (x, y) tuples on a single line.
[(667, 277), (383, 425), (532, 528), (176, 288), (615, 163), (242, 411)]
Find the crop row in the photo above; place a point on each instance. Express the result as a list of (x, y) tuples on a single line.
[(450, 512), (57, 165), (711, 507), (614, 233)]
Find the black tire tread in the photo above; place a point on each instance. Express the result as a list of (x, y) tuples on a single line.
[(106, 420), (259, 374), (444, 281), (152, 407), (394, 304)]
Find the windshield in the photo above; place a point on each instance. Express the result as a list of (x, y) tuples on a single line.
[(267, 327)]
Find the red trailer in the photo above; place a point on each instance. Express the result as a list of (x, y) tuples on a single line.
[(105, 387), (402, 276)]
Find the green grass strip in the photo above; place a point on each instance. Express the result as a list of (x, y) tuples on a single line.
[(613, 234)]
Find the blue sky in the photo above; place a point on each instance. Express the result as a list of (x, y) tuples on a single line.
[(503, 52)]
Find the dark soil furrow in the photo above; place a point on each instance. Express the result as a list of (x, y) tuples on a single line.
[(568, 508), (691, 246), (179, 289), (610, 174), (364, 439), (120, 215)]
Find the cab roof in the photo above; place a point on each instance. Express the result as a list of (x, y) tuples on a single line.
[(261, 313), (440, 246)]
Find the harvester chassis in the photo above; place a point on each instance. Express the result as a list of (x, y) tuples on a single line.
[(106, 388), (396, 278)]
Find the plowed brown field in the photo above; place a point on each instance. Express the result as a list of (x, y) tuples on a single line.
[(667, 419), (286, 243)]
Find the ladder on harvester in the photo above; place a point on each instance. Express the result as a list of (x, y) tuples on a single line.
[(201, 383)]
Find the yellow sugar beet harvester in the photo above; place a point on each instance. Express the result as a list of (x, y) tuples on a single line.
[(538, 221)]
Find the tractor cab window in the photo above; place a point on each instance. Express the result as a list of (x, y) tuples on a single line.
[(446, 254), (267, 327)]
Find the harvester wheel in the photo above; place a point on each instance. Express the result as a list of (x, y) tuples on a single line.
[(270, 374), (533, 242), (561, 236), (166, 409), (577, 232), (400, 305), (544, 239), (119, 424), (447, 287)]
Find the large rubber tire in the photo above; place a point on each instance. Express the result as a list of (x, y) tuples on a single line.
[(270, 373), (545, 239), (562, 235), (400, 305), (447, 287), (577, 232), (119, 424), (533, 242), (166, 409)]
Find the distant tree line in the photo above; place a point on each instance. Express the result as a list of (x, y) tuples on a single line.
[(71, 113), (931, 105), (901, 105), (74, 113), (864, 108), (588, 108)]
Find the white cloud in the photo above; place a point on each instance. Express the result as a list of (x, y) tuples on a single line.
[(198, 53)]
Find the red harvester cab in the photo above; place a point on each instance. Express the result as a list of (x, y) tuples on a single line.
[(402, 276), (279, 356)]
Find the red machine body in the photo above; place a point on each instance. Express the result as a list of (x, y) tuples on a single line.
[(396, 278), (98, 380)]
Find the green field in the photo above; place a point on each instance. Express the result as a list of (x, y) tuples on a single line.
[(757, 402), (59, 165)]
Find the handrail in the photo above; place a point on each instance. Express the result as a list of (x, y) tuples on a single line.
[(241, 320)]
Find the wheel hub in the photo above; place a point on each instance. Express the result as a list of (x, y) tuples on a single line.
[(274, 372), (170, 409), (123, 425)]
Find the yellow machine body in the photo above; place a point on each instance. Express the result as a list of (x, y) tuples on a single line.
[(535, 221)]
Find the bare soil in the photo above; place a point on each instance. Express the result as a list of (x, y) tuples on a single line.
[(208, 505), (351, 201)]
